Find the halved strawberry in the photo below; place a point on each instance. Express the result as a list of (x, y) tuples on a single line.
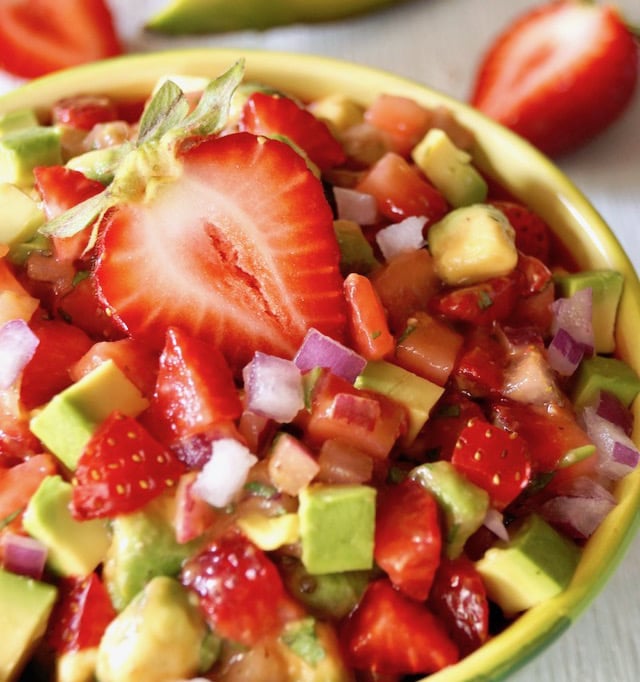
[(238, 250), (272, 115), (560, 74)]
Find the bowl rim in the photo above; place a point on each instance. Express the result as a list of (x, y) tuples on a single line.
[(527, 172)]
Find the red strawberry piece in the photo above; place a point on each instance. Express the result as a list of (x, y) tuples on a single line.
[(84, 111), (240, 590), (121, 469), (273, 115), (533, 235), (560, 74), (194, 388), (239, 250), (391, 633)]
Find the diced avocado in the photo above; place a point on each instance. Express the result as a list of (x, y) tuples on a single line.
[(74, 547), (20, 215), (472, 244), (17, 120), (356, 253), (337, 524), (536, 564), (24, 149), (449, 169), (606, 287), (99, 164), (329, 595), (144, 545), (163, 618), (66, 423), (39, 243), (77, 666), (25, 607), (463, 504), (338, 111), (270, 532), (312, 652), (600, 373), (416, 393)]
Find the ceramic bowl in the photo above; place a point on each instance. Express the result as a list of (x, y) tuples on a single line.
[(518, 167)]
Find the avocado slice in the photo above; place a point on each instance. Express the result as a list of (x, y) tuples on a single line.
[(23, 149), (463, 504), (606, 287), (163, 617), (20, 215), (449, 169), (74, 547), (536, 564), (600, 373), (337, 524), (66, 422), (217, 16), (144, 546), (17, 120), (356, 253), (25, 605)]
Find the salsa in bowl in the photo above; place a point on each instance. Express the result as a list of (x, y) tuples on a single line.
[(312, 373)]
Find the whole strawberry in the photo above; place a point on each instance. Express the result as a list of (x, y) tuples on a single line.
[(560, 74)]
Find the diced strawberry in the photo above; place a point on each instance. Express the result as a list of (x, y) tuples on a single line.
[(459, 598), (84, 111), (408, 538), (240, 589), (275, 115), (559, 74), (391, 633), (60, 346), (481, 364), (138, 362), (194, 388), (121, 469), (239, 251), (81, 615), (61, 188), (16, 440), (493, 459), (533, 235), (401, 191)]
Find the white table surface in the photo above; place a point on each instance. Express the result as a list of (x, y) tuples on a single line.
[(438, 43)]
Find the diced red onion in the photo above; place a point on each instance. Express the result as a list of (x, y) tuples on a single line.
[(611, 408), (617, 453), (17, 346), (574, 315), (402, 237), (564, 353), (351, 204), (494, 521), (23, 555), (273, 387), (577, 516), (223, 476), (585, 486), (319, 350)]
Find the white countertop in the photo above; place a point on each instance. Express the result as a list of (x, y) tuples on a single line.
[(438, 43)]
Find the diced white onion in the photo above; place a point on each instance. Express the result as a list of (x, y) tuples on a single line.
[(223, 476), (273, 387), (17, 346), (402, 237), (353, 205), (494, 521), (319, 350)]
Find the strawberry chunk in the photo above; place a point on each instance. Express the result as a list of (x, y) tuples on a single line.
[(239, 250), (533, 235)]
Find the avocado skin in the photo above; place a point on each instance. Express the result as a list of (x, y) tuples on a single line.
[(220, 16)]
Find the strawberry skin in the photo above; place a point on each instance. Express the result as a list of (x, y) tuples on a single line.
[(239, 250), (559, 75)]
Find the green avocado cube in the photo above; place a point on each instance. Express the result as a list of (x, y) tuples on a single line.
[(464, 504), (66, 423), (23, 149), (417, 394), (16, 120), (337, 525), (74, 547), (600, 373), (536, 564), (606, 287), (25, 607), (20, 215)]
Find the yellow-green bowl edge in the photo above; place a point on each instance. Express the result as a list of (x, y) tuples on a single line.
[(525, 172)]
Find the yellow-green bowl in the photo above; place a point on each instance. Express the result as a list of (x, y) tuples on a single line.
[(518, 167)]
